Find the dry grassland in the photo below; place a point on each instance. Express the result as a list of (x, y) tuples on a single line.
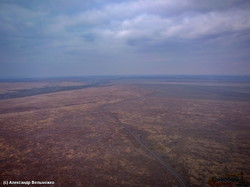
[(82, 137)]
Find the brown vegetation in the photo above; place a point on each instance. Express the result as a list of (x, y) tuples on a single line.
[(88, 137)]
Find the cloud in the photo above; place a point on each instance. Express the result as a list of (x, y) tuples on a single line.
[(17, 19), (142, 18), (116, 30), (145, 18), (212, 23)]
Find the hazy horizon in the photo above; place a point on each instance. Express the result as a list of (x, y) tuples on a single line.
[(132, 77)]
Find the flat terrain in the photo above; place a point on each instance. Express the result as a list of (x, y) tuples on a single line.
[(124, 132)]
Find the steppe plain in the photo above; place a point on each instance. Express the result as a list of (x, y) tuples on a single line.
[(139, 131)]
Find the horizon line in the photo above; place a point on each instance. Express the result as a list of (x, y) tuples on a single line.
[(121, 76)]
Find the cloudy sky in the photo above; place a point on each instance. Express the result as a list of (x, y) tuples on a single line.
[(41, 38)]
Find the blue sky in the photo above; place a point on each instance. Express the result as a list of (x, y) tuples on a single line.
[(40, 38)]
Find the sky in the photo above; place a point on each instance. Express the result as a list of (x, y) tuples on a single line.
[(53, 38)]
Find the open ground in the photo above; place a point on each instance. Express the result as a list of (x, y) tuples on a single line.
[(124, 132)]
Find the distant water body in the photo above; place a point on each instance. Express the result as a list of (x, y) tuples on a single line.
[(97, 81), (115, 77)]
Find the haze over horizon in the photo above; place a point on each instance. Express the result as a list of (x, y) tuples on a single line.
[(113, 37)]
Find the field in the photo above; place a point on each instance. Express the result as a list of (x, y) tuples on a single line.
[(129, 131)]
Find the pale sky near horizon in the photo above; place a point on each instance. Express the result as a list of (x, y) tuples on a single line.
[(40, 38)]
